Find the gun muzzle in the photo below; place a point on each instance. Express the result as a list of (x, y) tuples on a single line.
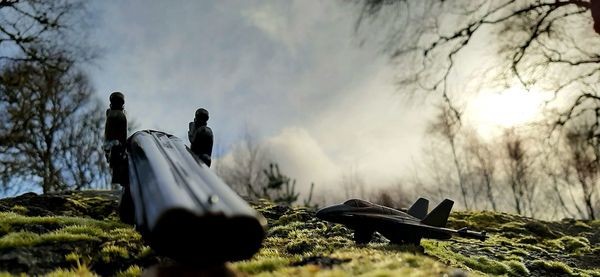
[(465, 233)]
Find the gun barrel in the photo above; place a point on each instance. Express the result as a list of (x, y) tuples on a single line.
[(183, 209), (472, 234)]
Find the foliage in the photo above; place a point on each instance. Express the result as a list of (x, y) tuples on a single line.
[(52, 128), (50, 125)]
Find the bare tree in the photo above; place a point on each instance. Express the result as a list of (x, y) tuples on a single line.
[(533, 42), (353, 184), (549, 45), (447, 125), (49, 117), (244, 170), (396, 196), (584, 160), (519, 172), (81, 149), (43, 31), (482, 161)]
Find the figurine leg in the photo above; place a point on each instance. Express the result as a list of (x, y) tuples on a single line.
[(362, 236), (126, 212)]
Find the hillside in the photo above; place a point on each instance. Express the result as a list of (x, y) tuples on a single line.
[(78, 233)]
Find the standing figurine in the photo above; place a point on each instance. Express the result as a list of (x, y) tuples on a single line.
[(115, 136), (201, 136)]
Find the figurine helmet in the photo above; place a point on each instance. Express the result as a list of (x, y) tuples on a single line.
[(117, 100), (201, 115)]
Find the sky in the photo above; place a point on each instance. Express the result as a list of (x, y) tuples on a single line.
[(291, 73)]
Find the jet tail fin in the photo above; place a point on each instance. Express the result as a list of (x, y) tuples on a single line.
[(439, 216), (419, 208)]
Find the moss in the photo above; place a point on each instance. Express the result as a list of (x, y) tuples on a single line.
[(109, 251), (515, 227), (298, 244), (145, 251), (19, 209), (132, 271), (299, 247), (528, 240), (576, 244), (255, 265), (517, 268), (553, 266), (582, 224), (26, 239), (518, 252), (485, 265), (81, 271), (540, 229)]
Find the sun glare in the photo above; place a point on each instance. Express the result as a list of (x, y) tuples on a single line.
[(492, 112)]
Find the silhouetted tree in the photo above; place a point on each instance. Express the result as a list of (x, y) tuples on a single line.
[(584, 161), (244, 170), (42, 31), (395, 196), (482, 167), (50, 129), (549, 44), (353, 184), (447, 125), (519, 172)]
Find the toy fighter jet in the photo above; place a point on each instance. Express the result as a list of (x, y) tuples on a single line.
[(365, 218)]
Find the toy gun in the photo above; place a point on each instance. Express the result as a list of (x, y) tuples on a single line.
[(181, 207)]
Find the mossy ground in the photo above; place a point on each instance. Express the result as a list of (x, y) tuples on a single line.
[(69, 234), (78, 234)]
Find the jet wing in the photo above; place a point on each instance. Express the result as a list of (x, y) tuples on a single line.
[(390, 224)]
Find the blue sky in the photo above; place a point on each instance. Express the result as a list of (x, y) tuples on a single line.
[(291, 72)]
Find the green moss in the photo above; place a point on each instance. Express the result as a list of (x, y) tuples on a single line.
[(132, 271), (515, 227), (485, 265), (553, 266), (576, 245), (540, 229), (19, 209), (145, 251), (81, 271), (110, 250), (10, 218), (528, 240), (517, 268), (25, 239), (299, 246), (518, 252), (255, 265), (582, 224)]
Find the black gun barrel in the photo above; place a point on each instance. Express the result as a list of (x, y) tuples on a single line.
[(183, 209), (465, 233)]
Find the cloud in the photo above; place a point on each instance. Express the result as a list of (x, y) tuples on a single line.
[(291, 71), (301, 156)]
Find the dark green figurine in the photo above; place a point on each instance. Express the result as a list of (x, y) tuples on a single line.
[(115, 136), (201, 136)]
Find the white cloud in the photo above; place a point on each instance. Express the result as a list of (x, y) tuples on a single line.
[(301, 157), (292, 70)]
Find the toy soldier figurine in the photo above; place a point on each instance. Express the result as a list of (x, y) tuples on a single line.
[(201, 136), (115, 135)]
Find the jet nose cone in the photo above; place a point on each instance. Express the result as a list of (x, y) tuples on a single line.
[(321, 214), (328, 213)]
